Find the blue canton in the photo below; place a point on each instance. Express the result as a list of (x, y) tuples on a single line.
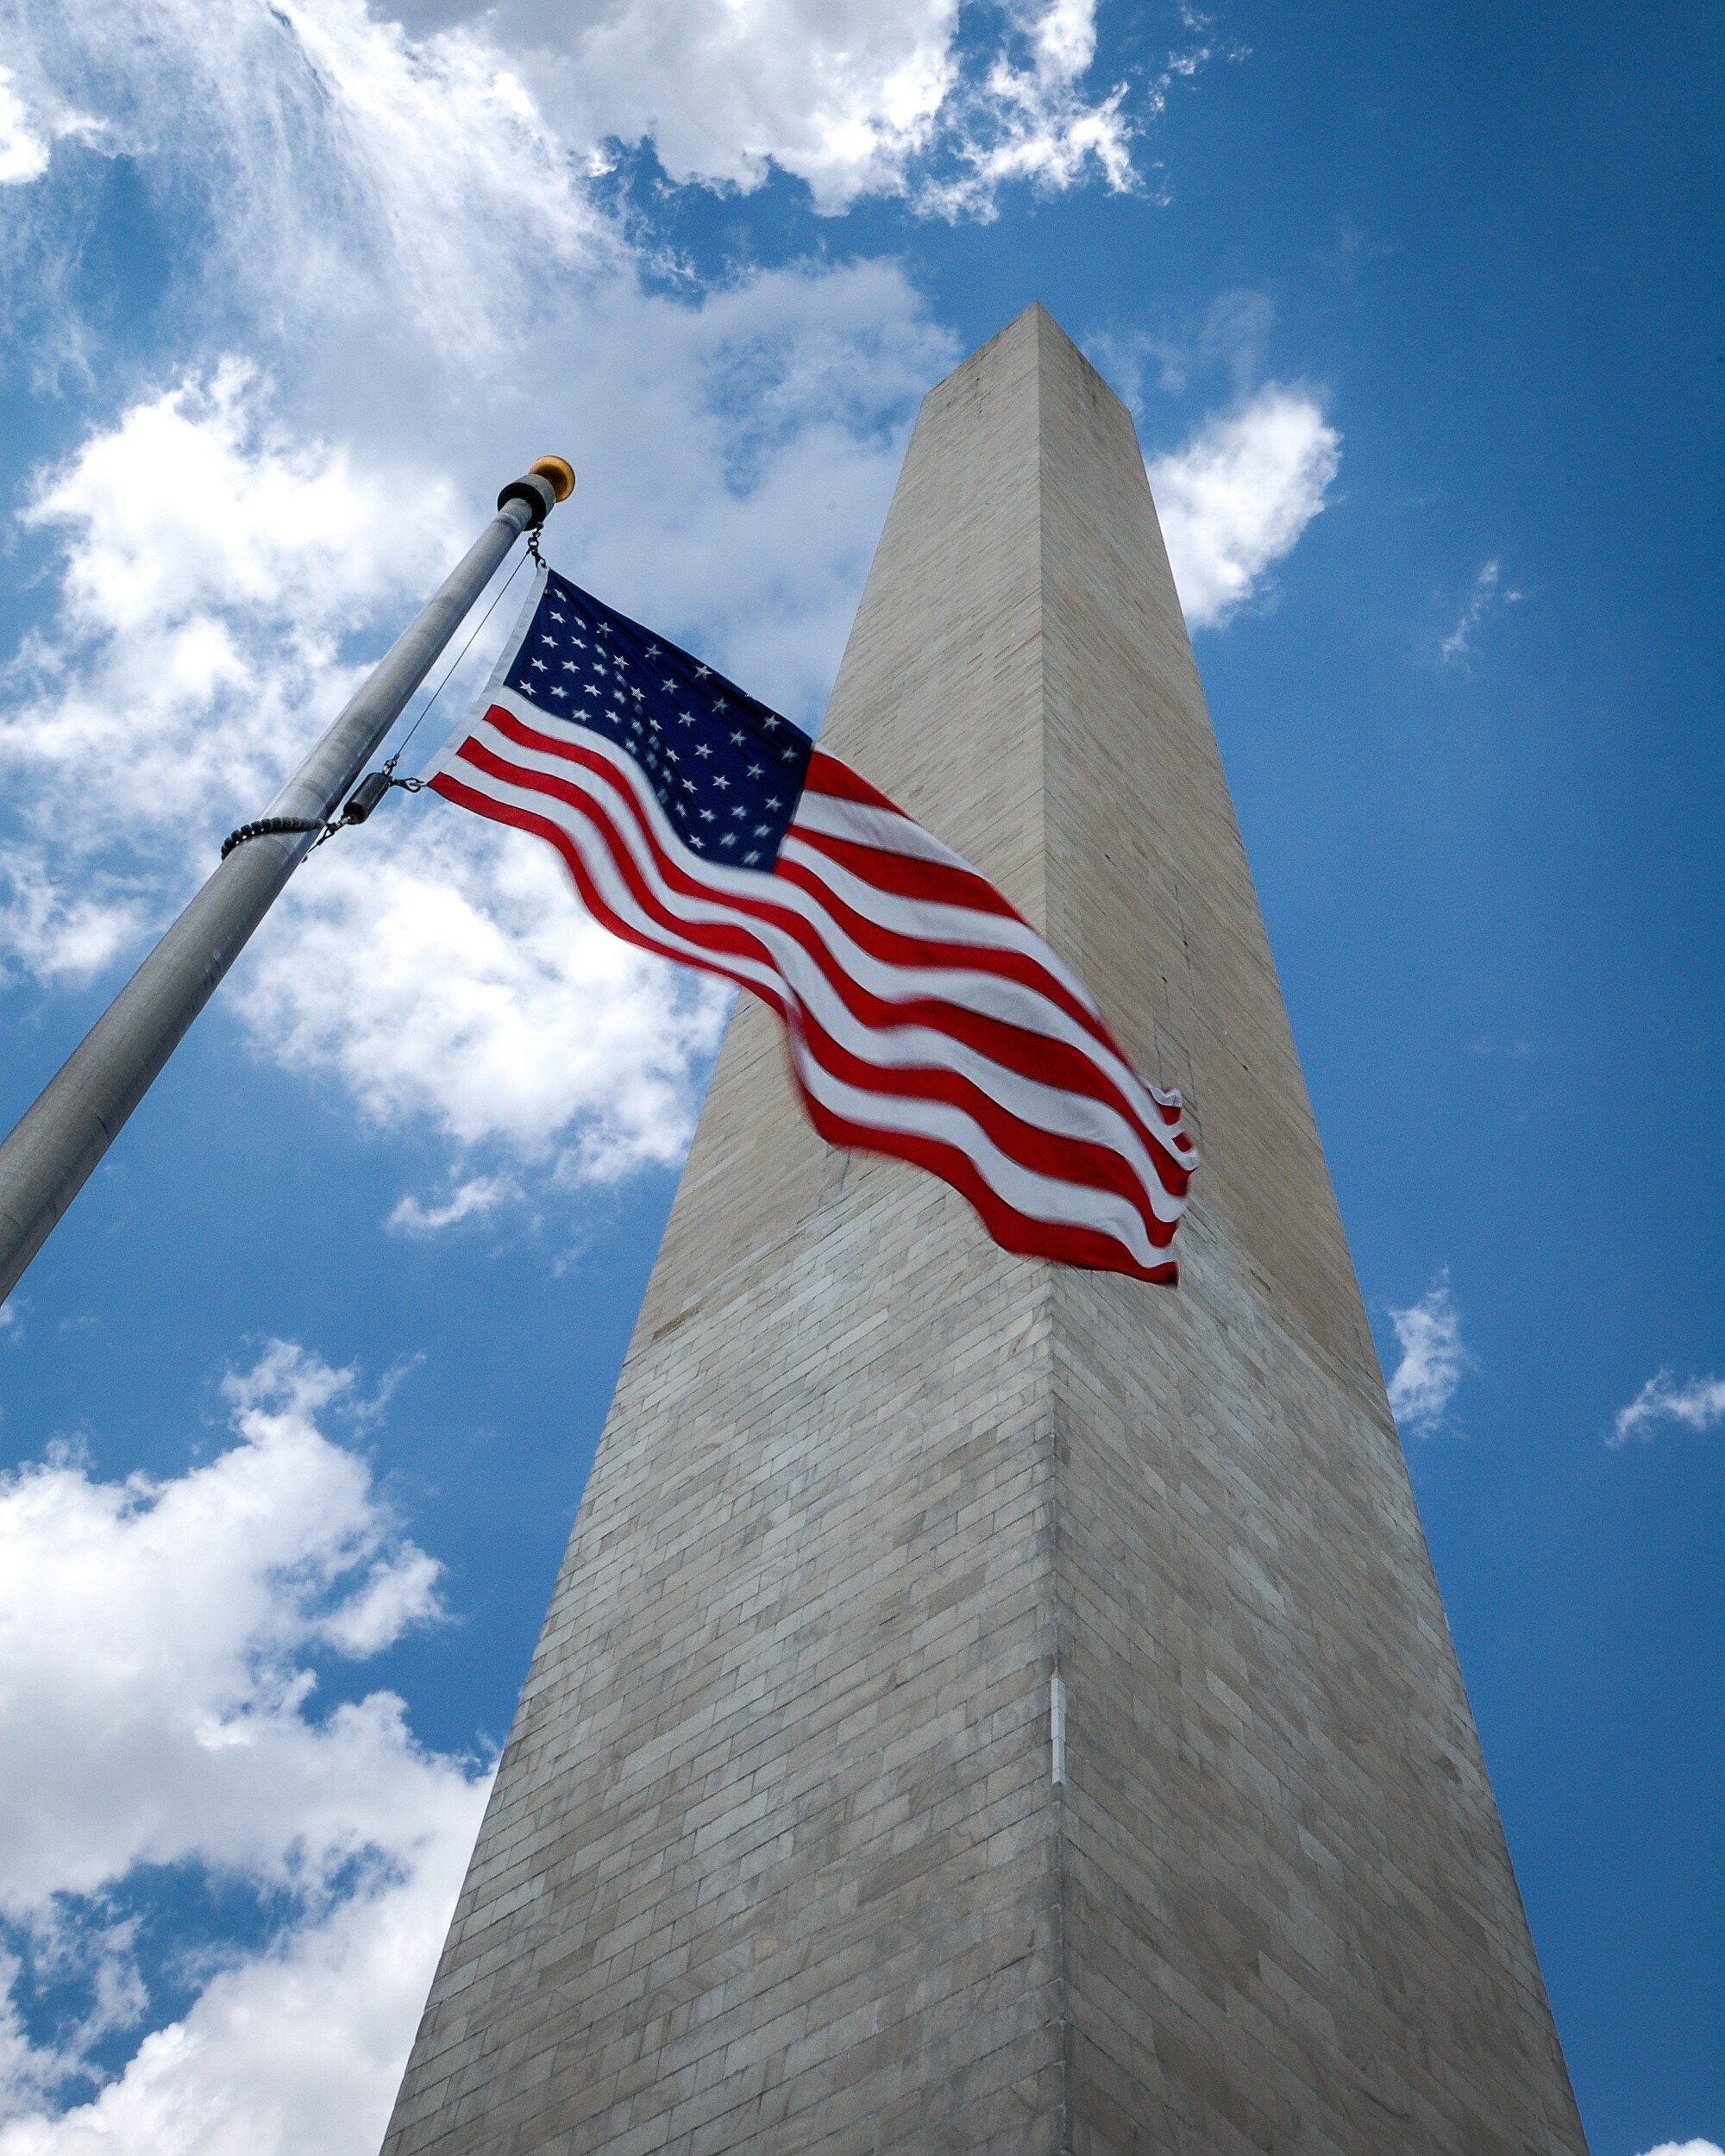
[(726, 770)]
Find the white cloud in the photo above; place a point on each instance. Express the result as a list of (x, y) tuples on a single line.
[(1697, 1403), (1488, 591), (158, 1708), (212, 568), (1235, 499), (918, 98), (1434, 1361), (1687, 2148), (446, 973)]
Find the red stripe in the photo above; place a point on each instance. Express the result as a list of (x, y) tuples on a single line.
[(909, 875)]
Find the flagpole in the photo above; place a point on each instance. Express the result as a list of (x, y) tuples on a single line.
[(78, 1115)]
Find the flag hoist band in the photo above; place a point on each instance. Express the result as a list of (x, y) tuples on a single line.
[(924, 1017)]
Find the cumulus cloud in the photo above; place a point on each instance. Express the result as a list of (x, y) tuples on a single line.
[(159, 1640), (1235, 499), (1695, 1403), (922, 99), (448, 975), (1433, 1362), (1488, 591), (211, 569), (1686, 2148)]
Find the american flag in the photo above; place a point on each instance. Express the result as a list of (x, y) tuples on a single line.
[(925, 1018)]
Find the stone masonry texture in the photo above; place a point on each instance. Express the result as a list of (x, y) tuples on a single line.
[(777, 1860)]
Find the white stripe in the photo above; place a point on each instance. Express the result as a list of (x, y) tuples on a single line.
[(805, 983), (985, 994)]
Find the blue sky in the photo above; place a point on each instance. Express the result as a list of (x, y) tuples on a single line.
[(1418, 312)]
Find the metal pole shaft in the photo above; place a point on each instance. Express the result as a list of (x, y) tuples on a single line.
[(78, 1115)]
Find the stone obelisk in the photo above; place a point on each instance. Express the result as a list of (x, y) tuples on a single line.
[(987, 1706)]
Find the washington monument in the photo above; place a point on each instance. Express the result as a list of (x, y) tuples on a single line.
[(987, 1705)]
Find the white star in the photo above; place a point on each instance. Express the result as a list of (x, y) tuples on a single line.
[(771, 724), (703, 674), (750, 859), (603, 629), (552, 641), (754, 771), (570, 666), (560, 692), (739, 810), (772, 803), (736, 741), (721, 703), (729, 839), (721, 781), (687, 717), (589, 690), (703, 749), (652, 651), (555, 618), (668, 686), (539, 666), (707, 816)]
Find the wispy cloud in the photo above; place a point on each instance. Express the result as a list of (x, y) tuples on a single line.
[(1488, 591), (1695, 1403), (473, 1200), (1433, 1360)]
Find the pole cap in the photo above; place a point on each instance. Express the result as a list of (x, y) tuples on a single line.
[(558, 472)]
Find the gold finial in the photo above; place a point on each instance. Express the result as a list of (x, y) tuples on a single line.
[(558, 473)]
